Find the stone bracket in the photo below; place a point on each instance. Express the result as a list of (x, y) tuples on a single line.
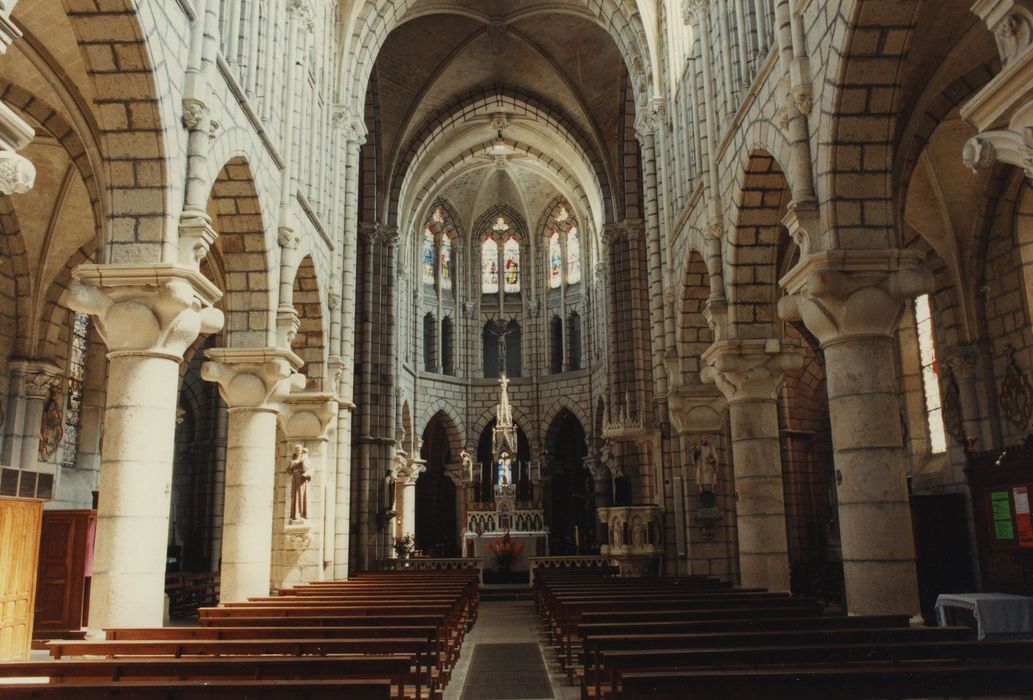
[(752, 368), (253, 377), (308, 415), (696, 408)]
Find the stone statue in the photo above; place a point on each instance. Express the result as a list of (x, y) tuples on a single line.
[(467, 461), (301, 473), (705, 457)]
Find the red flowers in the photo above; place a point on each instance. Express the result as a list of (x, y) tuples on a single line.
[(506, 551)]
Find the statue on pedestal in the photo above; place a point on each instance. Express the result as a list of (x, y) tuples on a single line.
[(467, 461), (505, 470), (301, 473), (705, 457)]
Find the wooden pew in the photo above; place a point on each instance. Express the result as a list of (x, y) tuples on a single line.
[(267, 669), (843, 683), (614, 664), (296, 689)]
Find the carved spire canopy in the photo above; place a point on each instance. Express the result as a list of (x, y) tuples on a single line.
[(504, 436)]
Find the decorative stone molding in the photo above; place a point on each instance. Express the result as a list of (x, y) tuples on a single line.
[(301, 12), (649, 119), (9, 33), (750, 369), (287, 324), (406, 470), (287, 238), (694, 11), (157, 309), (38, 378), (804, 225), (1002, 111), (843, 293), (716, 315), (1011, 22), (308, 415), (369, 232), (253, 378), (17, 173), (194, 112), (196, 236), (696, 408)]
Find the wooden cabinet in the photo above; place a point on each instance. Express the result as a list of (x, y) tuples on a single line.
[(20, 520), (65, 552)]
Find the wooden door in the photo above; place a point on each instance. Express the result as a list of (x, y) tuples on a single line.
[(60, 590), (20, 520)]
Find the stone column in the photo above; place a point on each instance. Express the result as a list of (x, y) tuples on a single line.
[(749, 374), (405, 495), (464, 492), (306, 420), (148, 315), (35, 382), (253, 382), (851, 300)]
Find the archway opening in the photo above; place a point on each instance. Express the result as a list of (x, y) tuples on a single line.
[(568, 496), (436, 494)]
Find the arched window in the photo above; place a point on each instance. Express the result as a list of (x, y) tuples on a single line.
[(430, 344), (574, 341), (445, 262), (69, 451), (573, 256), (556, 344), (930, 375), (511, 263), (447, 347), (555, 261), (489, 266), (427, 257)]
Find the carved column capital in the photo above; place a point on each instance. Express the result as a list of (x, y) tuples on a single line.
[(253, 378), (154, 310), (308, 415), (17, 173), (613, 233), (694, 11), (745, 370), (840, 294), (38, 378)]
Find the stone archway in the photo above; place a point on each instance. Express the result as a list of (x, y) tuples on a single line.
[(568, 492), (436, 526)]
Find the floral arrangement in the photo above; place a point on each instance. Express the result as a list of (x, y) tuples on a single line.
[(506, 551), (404, 546)]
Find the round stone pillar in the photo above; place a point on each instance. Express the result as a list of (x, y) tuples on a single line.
[(749, 374), (852, 301), (252, 382), (147, 315)]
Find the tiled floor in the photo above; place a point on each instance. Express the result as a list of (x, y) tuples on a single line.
[(508, 623)]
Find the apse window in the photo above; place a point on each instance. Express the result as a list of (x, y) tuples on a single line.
[(930, 375)]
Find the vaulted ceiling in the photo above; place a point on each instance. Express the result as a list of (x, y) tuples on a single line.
[(517, 110)]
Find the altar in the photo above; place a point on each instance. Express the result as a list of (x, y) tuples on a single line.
[(515, 493)]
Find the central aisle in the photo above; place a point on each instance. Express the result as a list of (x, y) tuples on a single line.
[(506, 622)]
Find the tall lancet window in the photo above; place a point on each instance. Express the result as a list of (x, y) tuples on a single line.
[(511, 256), (930, 375), (555, 261), (573, 256), (427, 257), (489, 266), (69, 452), (445, 262)]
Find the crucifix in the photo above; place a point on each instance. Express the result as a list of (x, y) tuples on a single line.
[(503, 356)]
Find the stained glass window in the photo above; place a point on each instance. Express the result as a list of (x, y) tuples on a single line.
[(573, 256), (930, 375), (73, 401), (489, 266), (555, 261), (427, 257), (511, 256), (445, 263)]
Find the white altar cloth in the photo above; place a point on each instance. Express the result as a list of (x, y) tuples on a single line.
[(997, 614)]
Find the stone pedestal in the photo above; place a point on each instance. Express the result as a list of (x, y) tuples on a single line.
[(634, 540), (147, 315), (852, 301), (749, 374), (253, 382)]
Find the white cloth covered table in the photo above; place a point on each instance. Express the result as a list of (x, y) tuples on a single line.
[(997, 614)]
